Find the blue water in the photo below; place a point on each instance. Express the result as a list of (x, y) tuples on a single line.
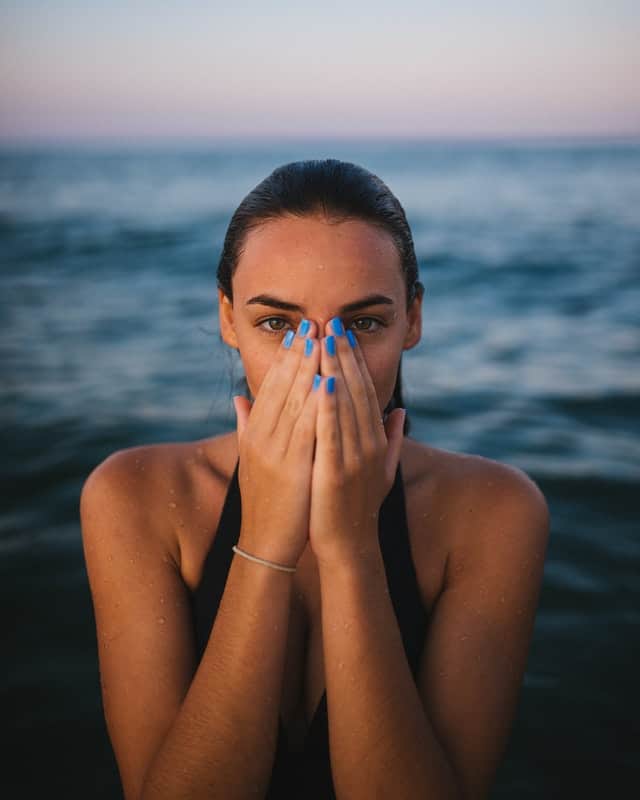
[(530, 254)]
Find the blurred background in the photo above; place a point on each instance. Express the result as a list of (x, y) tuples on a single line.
[(129, 133)]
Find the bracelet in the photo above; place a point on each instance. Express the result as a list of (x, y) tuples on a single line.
[(240, 552)]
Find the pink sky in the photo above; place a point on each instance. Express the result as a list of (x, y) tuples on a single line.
[(175, 70)]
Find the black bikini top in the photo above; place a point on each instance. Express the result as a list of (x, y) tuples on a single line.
[(308, 774)]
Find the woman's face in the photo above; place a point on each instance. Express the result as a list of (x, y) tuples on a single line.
[(294, 268)]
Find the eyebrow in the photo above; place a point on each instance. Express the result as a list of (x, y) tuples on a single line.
[(365, 302)]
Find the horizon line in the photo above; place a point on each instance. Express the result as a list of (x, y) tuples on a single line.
[(168, 140)]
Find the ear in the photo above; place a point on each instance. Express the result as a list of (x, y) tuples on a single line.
[(414, 323), (225, 313)]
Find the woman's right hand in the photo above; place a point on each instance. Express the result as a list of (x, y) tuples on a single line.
[(276, 441)]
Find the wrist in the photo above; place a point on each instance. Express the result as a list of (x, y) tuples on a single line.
[(349, 556), (265, 548)]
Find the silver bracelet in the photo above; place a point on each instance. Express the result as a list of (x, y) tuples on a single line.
[(240, 552)]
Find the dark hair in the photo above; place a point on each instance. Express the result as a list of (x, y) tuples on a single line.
[(341, 191)]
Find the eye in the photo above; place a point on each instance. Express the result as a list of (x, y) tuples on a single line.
[(366, 325), (277, 327)]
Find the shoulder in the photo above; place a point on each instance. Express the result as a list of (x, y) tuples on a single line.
[(469, 503), (162, 488)]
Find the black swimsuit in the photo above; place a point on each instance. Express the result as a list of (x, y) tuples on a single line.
[(308, 774)]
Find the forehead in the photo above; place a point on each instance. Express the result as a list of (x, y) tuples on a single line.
[(310, 257)]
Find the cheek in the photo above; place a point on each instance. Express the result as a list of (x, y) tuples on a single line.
[(256, 360), (383, 368)]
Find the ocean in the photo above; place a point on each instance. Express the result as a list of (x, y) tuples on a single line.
[(530, 255)]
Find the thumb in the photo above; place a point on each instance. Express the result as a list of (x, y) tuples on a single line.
[(242, 407), (394, 428)]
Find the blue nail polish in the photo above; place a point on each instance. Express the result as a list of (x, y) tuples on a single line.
[(338, 327), (331, 345), (331, 385), (308, 347), (317, 380), (303, 330), (288, 339), (351, 338)]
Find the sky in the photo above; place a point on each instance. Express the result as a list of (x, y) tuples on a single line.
[(207, 70)]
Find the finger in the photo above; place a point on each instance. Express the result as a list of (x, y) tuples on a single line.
[(303, 436), (300, 389), (347, 423), (354, 382), (375, 412), (242, 407), (274, 389), (328, 457), (394, 429)]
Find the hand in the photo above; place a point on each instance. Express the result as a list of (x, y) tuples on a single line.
[(356, 454), (276, 439)]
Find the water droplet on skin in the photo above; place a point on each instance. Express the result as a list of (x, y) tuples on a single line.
[(172, 505), (172, 491), (109, 558), (462, 638), (161, 620), (199, 451), (340, 664), (197, 508), (162, 599)]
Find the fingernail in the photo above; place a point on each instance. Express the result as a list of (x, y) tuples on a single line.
[(331, 384), (338, 327), (317, 380), (303, 329), (288, 339), (351, 338), (331, 345), (308, 347)]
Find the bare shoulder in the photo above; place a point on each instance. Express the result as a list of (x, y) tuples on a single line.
[(486, 524), (174, 490), (466, 502)]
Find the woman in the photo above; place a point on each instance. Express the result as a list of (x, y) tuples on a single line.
[(315, 604)]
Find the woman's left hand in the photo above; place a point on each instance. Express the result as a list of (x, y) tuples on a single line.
[(356, 455)]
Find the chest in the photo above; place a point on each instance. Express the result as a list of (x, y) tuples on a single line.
[(304, 683)]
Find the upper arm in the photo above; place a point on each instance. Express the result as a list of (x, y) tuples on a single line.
[(142, 613), (480, 631)]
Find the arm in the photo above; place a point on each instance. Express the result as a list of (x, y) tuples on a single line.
[(178, 731), (444, 738)]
